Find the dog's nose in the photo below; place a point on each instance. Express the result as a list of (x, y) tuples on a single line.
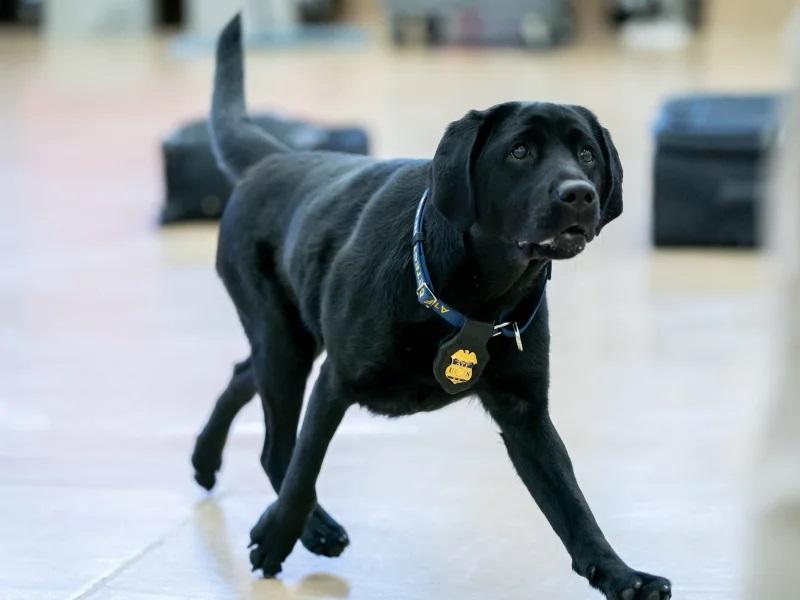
[(576, 192)]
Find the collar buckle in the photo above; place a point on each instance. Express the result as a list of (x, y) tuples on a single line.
[(425, 294)]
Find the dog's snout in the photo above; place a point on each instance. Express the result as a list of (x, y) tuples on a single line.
[(576, 192)]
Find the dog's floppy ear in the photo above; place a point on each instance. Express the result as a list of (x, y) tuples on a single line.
[(612, 194), (451, 188), (611, 202)]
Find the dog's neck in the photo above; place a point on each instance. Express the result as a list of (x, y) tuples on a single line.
[(476, 273)]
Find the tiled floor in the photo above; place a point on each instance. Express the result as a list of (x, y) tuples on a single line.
[(115, 338)]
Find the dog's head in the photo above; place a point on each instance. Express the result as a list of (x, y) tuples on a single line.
[(543, 177)]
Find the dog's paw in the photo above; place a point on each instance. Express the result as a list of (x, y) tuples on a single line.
[(619, 582), (206, 463), (323, 535), (272, 539)]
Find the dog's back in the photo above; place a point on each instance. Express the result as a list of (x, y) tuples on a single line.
[(289, 219)]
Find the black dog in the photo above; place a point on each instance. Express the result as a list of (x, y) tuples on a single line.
[(316, 252)]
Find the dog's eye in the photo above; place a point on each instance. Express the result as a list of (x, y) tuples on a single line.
[(586, 155), (519, 152)]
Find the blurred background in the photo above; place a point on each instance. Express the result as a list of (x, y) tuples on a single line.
[(674, 336)]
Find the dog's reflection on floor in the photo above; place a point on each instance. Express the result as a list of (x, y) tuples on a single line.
[(316, 585), (232, 567)]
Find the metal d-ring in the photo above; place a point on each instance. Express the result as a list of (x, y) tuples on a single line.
[(498, 329), (517, 336)]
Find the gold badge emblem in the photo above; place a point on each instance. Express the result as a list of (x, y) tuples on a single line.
[(460, 368)]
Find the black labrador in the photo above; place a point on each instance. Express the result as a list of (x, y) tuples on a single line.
[(315, 250)]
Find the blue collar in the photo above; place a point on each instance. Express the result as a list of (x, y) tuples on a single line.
[(427, 297)]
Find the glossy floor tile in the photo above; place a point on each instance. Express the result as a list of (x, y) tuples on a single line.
[(115, 338)]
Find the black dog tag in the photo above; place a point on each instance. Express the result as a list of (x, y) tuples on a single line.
[(462, 358)]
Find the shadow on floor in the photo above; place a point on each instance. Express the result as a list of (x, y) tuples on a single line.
[(210, 524)]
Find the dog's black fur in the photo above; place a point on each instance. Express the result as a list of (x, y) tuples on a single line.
[(315, 252)]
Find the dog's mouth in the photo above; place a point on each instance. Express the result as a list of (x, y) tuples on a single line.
[(570, 242)]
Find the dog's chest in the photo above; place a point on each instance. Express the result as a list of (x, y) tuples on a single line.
[(399, 380), (394, 373), (408, 400)]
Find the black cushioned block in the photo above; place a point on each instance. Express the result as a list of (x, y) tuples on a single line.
[(709, 169), (197, 189)]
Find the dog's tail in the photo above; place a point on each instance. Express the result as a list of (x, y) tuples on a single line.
[(238, 143)]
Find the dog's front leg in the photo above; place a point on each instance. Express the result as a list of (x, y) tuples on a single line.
[(279, 528), (541, 460)]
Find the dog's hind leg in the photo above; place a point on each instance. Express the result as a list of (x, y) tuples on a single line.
[(207, 455), (283, 354)]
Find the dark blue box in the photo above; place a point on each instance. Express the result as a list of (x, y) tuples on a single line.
[(709, 169)]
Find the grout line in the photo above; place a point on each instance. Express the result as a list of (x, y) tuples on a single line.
[(96, 584)]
